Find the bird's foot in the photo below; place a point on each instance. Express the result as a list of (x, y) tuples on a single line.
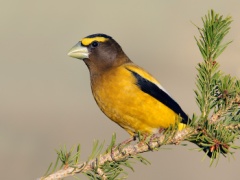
[(153, 138), (121, 146)]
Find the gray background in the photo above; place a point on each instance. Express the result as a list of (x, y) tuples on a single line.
[(45, 97)]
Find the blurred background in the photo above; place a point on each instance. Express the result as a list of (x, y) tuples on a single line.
[(45, 96)]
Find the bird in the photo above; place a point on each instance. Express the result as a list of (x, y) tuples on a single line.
[(126, 93)]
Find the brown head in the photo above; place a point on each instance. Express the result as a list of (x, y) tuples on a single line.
[(100, 52)]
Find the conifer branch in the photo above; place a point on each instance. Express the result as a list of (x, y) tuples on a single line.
[(118, 156), (214, 130)]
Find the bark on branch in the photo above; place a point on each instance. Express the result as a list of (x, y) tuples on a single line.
[(120, 155)]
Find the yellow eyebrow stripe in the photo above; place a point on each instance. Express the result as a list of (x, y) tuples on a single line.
[(88, 41)]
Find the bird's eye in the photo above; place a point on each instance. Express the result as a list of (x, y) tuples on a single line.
[(94, 44)]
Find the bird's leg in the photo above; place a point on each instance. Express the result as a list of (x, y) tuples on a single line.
[(144, 138), (127, 141), (149, 139), (153, 138), (161, 130), (122, 145)]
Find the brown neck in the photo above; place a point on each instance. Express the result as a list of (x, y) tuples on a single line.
[(96, 68)]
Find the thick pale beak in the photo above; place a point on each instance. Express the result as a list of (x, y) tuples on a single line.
[(78, 51)]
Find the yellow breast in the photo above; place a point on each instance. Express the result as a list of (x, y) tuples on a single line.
[(118, 96)]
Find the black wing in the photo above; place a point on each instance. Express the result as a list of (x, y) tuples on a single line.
[(154, 91)]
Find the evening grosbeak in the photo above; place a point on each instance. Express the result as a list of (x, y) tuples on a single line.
[(125, 92)]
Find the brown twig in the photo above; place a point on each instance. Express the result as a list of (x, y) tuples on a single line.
[(119, 155)]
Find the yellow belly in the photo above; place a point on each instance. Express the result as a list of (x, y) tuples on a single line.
[(124, 103)]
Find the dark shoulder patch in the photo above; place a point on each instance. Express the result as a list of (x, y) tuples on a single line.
[(157, 93)]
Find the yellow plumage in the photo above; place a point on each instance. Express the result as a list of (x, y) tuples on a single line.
[(118, 96), (126, 93)]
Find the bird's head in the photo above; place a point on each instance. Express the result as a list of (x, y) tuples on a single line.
[(99, 52)]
